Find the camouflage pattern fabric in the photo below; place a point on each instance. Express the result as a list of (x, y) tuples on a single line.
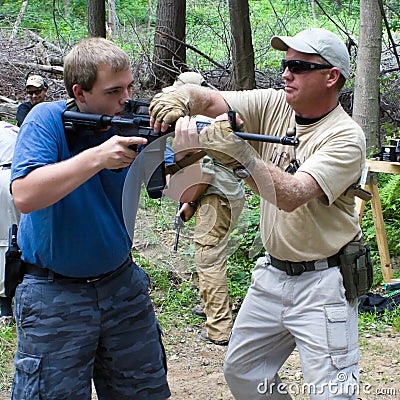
[(70, 333)]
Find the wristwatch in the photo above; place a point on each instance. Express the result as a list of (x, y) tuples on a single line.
[(241, 173)]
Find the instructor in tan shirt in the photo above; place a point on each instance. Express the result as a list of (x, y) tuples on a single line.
[(308, 218)]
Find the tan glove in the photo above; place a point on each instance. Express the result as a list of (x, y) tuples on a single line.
[(221, 143), (168, 107)]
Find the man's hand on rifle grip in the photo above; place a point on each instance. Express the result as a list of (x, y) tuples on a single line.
[(115, 153)]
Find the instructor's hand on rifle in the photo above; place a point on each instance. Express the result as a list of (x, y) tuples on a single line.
[(116, 152), (166, 108), (219, 141), (186, 140)]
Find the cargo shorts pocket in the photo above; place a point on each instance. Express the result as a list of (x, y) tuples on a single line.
[(26, 383)]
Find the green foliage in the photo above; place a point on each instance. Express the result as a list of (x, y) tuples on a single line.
[(242, 261), (289, 17), (392, 131), (389, 189), (207, 25), (7, 349), (59, 24), (173, 298), (134, 10), (374, 322)]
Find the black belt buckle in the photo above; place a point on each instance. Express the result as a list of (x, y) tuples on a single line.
[(294, 269)]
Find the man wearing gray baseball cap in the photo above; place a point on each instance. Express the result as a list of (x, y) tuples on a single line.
[(301, 295), (317, 41)]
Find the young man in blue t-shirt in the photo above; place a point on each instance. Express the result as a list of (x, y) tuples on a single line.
[(83, 310)]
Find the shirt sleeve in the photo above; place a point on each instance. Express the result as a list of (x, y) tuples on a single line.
[(22, 111)]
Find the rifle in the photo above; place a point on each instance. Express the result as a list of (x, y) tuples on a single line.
[(136, 122), (178, 223)]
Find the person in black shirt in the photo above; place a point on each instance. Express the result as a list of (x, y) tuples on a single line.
[(36, 89)]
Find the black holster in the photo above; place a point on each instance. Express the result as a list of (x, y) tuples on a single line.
[(13, 267)]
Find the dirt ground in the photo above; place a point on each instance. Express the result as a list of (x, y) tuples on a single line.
[(195, 368)]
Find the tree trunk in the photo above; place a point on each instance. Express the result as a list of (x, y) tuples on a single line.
[(18, 20), (313, 10), (112, 15), (366, 85), (169, 58), (242, 46), (96, 15)]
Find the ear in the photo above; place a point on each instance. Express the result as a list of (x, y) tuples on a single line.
[(79, 93), (333, 76)]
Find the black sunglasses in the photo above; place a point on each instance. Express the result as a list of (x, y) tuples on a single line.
[(298, 66), (32, 92)]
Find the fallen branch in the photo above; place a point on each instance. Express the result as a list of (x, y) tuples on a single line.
[(46, 68), (44, 42), (8, 110), (193, 49), (7, 100)]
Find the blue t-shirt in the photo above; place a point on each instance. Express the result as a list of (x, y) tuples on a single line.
[(83, 234)]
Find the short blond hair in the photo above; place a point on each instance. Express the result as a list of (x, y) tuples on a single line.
[(82, 62)]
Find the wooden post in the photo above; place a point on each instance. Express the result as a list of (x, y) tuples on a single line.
[(364, 182), (371, 184), (379, 223)]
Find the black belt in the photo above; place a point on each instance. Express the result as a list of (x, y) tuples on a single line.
[(297, 268), (40, 272), (6, 166)]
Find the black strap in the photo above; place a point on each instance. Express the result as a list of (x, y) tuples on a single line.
[(70, 134), (33, 269), (297, 268)]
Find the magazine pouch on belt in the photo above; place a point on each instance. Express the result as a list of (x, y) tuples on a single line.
[(13, 268), (356, 269)]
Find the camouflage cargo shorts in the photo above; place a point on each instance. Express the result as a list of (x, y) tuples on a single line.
[(71, 333)]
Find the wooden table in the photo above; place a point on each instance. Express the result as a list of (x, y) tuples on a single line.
[(370, 183)]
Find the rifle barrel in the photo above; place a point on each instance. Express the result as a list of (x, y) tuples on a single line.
[(176, 242), (288, 140)]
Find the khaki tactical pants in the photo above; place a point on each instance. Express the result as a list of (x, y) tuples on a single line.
[(215, 218), (280, 312)]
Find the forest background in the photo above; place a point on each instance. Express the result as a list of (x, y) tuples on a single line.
[(167, 37)]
